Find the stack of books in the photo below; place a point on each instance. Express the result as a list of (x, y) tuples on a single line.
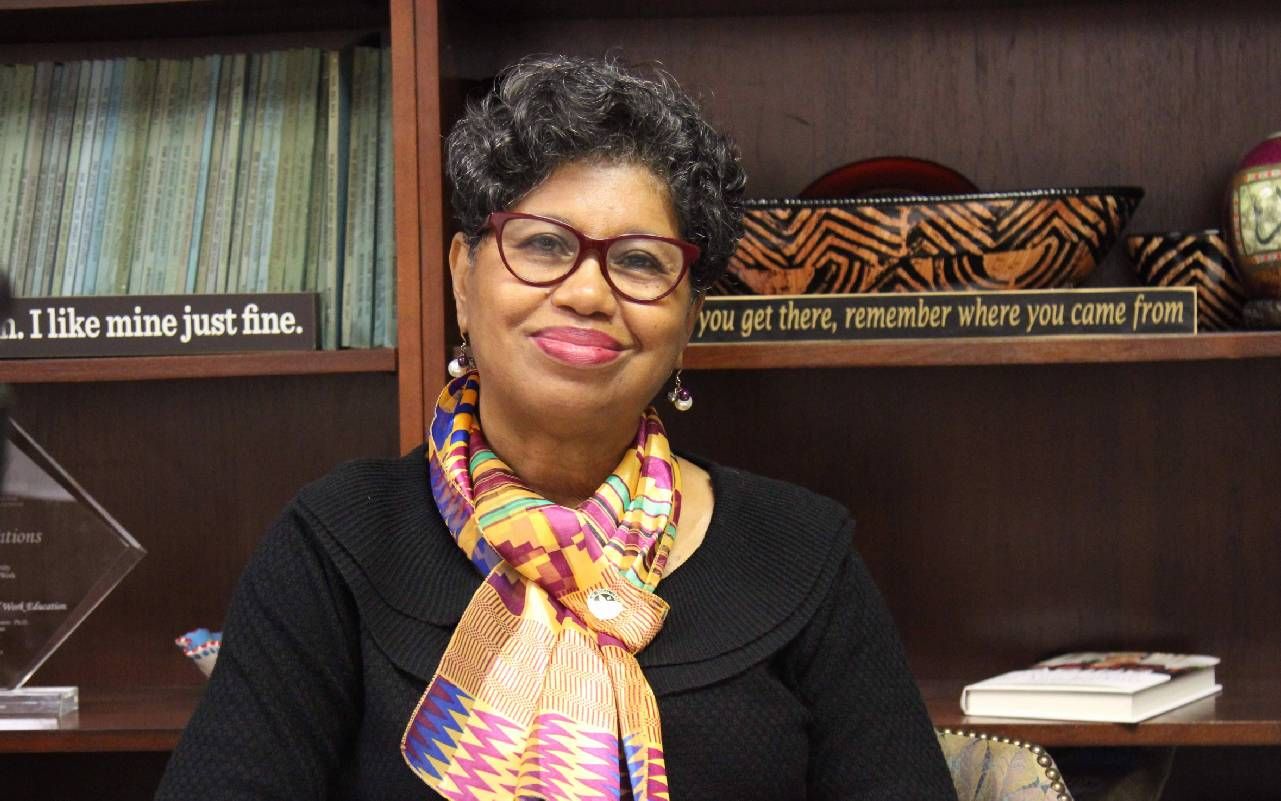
[(238, 173)]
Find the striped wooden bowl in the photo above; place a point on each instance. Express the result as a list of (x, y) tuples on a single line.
[(1193, 258), (1035, 239)]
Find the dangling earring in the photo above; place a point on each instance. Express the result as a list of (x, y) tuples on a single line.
[(463, 362), (681, 397)]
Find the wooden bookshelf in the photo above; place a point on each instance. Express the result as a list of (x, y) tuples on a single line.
[(160, 368), (144, 719), (987, 351), (1015, 498), (36, 5), (1247, 713)]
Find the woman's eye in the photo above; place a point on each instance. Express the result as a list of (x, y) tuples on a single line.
[(545, 245), (638, 261)]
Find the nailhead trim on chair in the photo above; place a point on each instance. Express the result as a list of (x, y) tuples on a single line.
[(1042, 757)]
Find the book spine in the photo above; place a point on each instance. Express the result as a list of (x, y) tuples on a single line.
[(273, 131), (41, 177), (122, 150), (246, 173), (125, 205), (8, 123), (28, 188), (149, 192), (295, 251), (77, 175), (87, 172), (207, 206), (369, 206), (88, 208), (252, 216), (384, 237), (53, 175), (350, 263), (283, 186), (107, 164), (315, 240), (17, 110), (227, 171), (385, 241), (175, 234), (338, 71), (358, 259), (205, 103), (78, 162)]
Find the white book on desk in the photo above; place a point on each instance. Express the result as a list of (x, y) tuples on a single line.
[(1113, 686)]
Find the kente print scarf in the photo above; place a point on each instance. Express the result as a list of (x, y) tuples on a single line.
[(539, 695)]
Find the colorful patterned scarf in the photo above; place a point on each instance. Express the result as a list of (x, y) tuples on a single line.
[(539, 695)]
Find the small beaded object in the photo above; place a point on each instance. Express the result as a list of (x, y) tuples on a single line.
[(681, 397)]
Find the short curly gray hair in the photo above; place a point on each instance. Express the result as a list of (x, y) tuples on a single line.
[(545, 111)]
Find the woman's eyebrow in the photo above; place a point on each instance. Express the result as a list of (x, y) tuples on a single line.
[(579, 228)]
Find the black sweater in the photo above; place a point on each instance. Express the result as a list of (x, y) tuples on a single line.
[(778, 673)]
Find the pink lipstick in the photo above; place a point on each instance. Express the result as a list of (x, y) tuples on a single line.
[(578, 346)]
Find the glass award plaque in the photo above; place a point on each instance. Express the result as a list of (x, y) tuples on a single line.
[(61, 554)]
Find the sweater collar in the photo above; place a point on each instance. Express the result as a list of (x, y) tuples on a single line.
[(768, 547)]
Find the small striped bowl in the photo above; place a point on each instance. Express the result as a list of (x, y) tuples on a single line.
[(1192, 258)]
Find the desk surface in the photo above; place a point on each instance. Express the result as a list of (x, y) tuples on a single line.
[(1248, 712)]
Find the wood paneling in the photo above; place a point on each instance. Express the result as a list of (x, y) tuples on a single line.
[(1009, 513), (964, 351), (107, 21), (72, 777), (196, 471), (409, 289), (156, 368), (431, 226)]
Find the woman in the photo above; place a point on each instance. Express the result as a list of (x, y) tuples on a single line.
[(483, 618)]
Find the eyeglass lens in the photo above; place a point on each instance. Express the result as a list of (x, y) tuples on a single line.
[(541, 251)]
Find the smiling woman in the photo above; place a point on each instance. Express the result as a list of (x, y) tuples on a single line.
[(500, 613)]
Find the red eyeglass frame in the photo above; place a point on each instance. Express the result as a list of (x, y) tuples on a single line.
[(586, 244)]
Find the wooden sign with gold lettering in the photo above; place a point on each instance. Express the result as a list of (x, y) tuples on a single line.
[(941, 315)]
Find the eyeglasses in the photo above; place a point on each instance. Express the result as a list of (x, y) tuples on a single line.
[(540, 252)]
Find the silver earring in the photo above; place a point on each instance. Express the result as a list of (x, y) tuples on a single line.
[(681, 397), (463, 362)]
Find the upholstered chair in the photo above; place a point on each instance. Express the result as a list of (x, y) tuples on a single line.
[(988, 767)]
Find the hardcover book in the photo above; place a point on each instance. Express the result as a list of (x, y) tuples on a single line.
[(1111, 686)]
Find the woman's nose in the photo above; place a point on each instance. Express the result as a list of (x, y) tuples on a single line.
[(585, 291)]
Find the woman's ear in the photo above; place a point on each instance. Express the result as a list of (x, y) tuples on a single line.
[(695, 307), (459, 268)]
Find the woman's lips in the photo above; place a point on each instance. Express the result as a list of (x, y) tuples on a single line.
[(578, 346)]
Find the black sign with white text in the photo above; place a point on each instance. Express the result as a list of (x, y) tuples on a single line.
[(153, 325)]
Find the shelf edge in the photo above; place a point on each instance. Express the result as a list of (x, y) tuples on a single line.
[(230, 365), (991, 351)]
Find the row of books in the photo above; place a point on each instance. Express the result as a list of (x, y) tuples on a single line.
[(238, 173)]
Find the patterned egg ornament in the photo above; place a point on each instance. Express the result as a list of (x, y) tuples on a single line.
[(1254, 211)]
